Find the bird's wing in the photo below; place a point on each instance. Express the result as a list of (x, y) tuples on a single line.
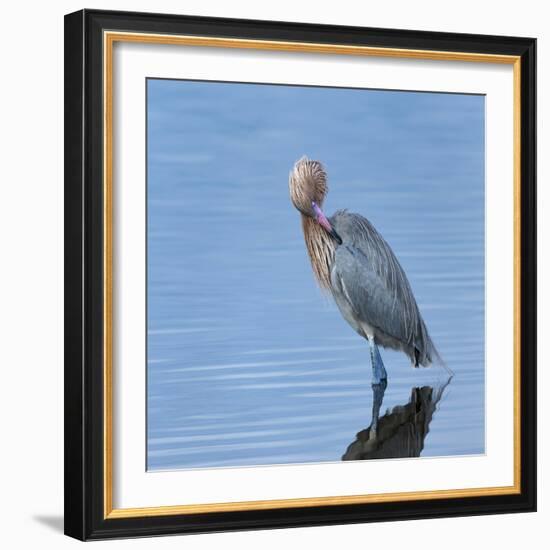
[(376, 285), (372, 298)]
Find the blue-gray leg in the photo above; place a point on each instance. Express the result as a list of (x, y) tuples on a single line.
[(378, 369)]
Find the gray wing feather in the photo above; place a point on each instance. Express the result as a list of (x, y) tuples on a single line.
[(376, 286)]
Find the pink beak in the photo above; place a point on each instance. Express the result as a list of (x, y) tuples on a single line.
[(321, 218), (324, 223)]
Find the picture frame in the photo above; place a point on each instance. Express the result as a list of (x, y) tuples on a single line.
[(90, 254)]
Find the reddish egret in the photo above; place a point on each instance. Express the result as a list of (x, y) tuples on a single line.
[(356, 265)]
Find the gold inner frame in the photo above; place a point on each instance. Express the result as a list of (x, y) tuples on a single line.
[(109, 39)]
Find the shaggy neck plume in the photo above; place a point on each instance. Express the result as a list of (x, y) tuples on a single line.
[(320, 248)]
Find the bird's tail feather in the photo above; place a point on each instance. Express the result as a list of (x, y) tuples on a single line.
[(435, 358)]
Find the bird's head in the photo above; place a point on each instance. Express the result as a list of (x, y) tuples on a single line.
[(307, 183)]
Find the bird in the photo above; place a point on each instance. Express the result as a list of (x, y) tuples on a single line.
[(353, 262)]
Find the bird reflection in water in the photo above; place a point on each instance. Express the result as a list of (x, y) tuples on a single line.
[(401, 431)]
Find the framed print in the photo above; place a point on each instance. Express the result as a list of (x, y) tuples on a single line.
[(300, 274)]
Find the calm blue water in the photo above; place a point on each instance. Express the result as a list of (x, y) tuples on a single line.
[(248, 363)]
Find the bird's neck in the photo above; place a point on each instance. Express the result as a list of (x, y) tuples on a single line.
[(320, 248)]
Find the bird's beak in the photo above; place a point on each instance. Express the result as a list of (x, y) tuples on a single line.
[(324, 223)]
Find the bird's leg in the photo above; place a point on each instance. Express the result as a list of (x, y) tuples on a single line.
[(378, 391), (378, 369)]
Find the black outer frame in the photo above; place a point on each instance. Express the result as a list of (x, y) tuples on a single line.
[(84, 275)]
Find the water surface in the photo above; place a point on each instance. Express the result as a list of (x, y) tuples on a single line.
[(248, 363)]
